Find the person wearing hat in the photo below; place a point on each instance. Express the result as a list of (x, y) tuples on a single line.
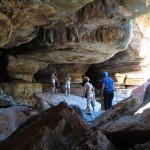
[(107, 90), (88, 93)]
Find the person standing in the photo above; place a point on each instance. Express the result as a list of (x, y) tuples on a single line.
[(88, 93), (107, 90), (67, 85), (53, 81), (56, 85)]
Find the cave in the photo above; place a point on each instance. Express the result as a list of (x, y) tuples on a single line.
[(79, 38)]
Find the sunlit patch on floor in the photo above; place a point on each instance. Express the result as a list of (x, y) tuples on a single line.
[(142, 109)]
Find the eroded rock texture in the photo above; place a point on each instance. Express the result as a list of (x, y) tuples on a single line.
[(56, 128), (129, 67), (12, 118), (20, 20), (95, 140), (68, 36), (38, 37), (12, 115), (126, 124), (93, 34)]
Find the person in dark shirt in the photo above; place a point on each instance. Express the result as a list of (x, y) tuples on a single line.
[(56, 84), (107, 90)]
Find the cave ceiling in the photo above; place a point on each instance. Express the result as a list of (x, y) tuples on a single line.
[(71, 32)]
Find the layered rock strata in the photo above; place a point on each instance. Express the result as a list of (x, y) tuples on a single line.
[(76, 37), (56, 128)]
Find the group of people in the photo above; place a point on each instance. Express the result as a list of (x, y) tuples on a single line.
[(56, 84), (107, 90)]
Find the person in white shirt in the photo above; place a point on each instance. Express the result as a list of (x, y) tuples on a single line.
[(67, 84), (53, 80)]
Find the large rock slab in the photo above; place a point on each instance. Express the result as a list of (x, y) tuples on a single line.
[(126, 120), (95, 140), (135, 127), (12, 118), (57, 128)]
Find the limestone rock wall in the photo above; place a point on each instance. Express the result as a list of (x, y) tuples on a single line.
[(20, 20), (24, 69), (22, 92), (129, 67), (73, 38)]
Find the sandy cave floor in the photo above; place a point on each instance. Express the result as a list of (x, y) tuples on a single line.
[(73, 100)]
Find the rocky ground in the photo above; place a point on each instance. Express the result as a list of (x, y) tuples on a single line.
[(73, 101)]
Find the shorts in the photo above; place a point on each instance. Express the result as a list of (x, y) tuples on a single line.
[(53, 83), (67, 85), (90, 96)]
